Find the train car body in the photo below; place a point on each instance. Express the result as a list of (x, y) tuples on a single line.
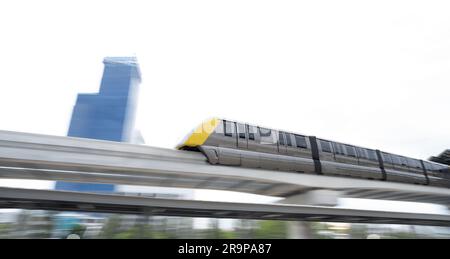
[(232, 143)]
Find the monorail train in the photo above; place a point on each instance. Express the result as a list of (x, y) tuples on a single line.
[(232, 143)]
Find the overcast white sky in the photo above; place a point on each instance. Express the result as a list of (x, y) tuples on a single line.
[(370, 73)]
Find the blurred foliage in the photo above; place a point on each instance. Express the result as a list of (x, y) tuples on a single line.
[(111, 227), (319, 230), (31, 224), (214, 231), (5, 229), (271, 229), (358, 232), (142, 232), (41, 224), (78, 230)]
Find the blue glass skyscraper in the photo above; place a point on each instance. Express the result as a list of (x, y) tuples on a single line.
[(109, 114)]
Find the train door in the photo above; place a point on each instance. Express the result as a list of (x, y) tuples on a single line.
[(242, 136), (326, 156), (388, 163), (369, 160), (253, 137), (325, 150), (415, 167), (345, 153), (249, 156), (268, 148), (298, 145), (282, 143), (228, 154), (268, 142), (345, 156), (286, 163), (229, 132)]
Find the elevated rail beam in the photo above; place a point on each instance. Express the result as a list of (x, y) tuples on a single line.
[(42, 157), (108, 203)]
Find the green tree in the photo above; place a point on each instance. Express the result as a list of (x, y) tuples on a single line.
[(271, 229), (5, 229), (111, 227)]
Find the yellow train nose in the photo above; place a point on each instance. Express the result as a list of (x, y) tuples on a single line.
[(200, 134)]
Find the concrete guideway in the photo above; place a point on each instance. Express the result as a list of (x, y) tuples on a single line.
[(43, 157), (109, 203)]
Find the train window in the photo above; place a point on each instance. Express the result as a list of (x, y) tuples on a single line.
[(350, 150), (301, 141), (438, 168), (372, 154), (435, 167), (289, 139), (387, 158), (228, 128), (428, 165), (411, 162), (338, 148), (266, 136), (362, 153), (419, 164), (442, 169), (263, 132), (326, 146), (241, 130), (391, 159), (281, 138), (414, 163), (396, 159), (251, 132), (404, 161)]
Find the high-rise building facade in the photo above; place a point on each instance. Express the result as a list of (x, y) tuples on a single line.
[(109, 114)]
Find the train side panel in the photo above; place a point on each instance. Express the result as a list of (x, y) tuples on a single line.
[(239, 144)]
